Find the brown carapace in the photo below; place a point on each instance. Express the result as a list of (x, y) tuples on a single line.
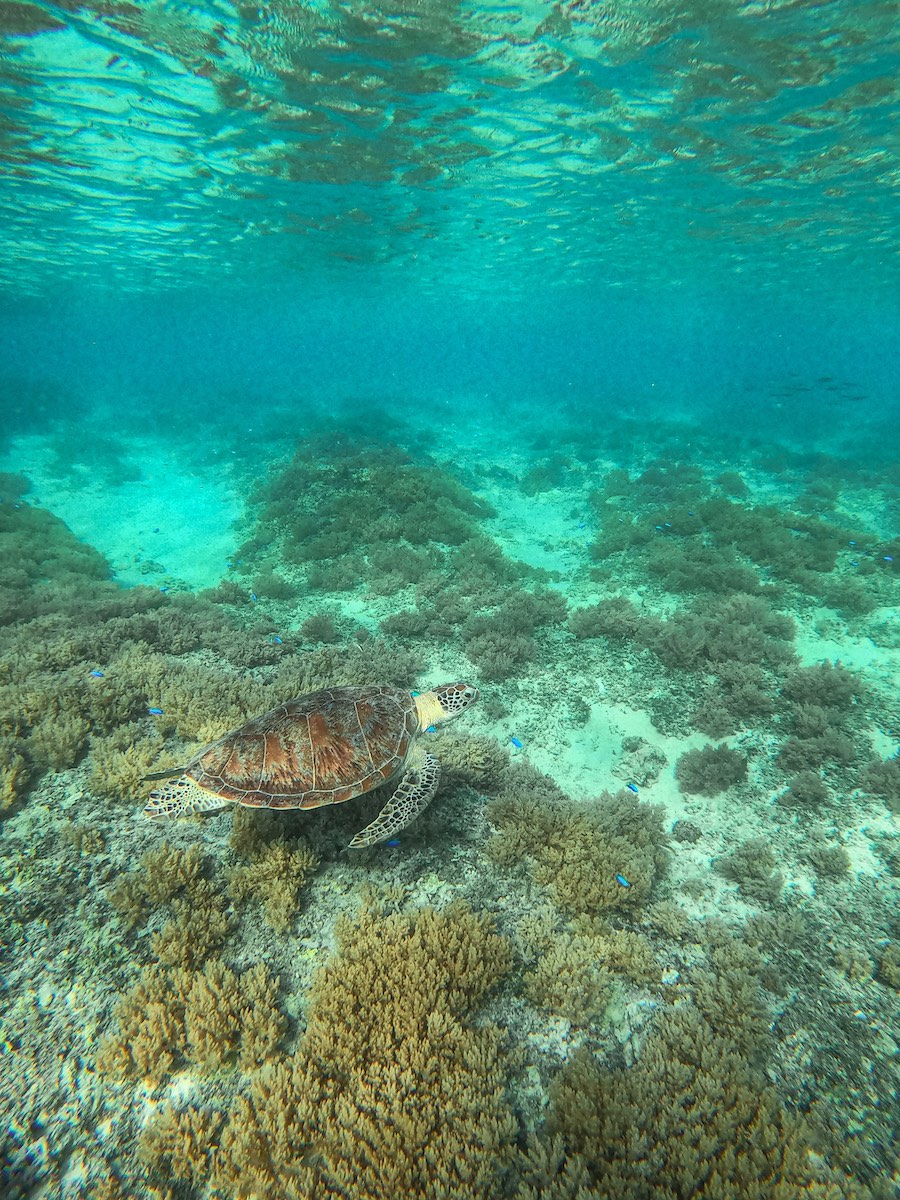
[(323, 748)]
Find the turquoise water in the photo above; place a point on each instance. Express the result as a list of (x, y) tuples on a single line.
[(549, 348)]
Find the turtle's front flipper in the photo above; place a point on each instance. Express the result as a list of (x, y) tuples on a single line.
[(414, 793), (181, 798)]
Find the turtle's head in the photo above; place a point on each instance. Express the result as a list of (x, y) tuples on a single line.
[(445, 702)]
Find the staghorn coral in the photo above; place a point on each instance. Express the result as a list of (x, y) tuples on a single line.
[(620, 951), (829, 862), (277, 871), (752, 866), (710, 770), (393, 1091), (889, 965), (121, 761), (320, 627), (808, 755), (569, 979), (476, 762), (828, 685), (14, 774), (693, 1120), (176, 879), (211, 1018), (615, 617), (497, 655), (578, 855), (882, 779)]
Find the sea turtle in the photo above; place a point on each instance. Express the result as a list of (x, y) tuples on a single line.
[(322, 748)]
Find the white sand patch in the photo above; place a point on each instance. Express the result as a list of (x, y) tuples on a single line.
[(539, 530), (174, 523)]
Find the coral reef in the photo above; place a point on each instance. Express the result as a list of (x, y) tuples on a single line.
[(569, 979), (580, 857), (356, 513), (694, 1120), (806, 790), (889, 966), (393, 1090), (710, 770), (614, 617), (476, 762), (274, 876), (211, 1018), (179, 881), (752, 867), (882, 778)]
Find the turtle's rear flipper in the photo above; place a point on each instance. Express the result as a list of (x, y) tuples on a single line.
[(414, 793), (181, 798)]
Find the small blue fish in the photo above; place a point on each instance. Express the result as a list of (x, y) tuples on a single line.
[(888, 558), (430, 729), (253, 596), (415, 693), (632, 788), (156, 712), (622, 881), (854, 562), (277, 641), (657, 527), (851, 543), (515, 741), (668, 524), (164, 589), (97, 674), (392, 842)]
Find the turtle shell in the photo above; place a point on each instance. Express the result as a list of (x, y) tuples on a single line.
[(322, 748)]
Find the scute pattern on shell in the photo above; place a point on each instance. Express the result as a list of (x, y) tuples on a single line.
[(322, 748)]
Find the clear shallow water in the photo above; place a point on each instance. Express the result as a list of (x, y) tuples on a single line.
[(299, 305)]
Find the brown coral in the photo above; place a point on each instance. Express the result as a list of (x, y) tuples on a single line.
[(274, 877), (210, 1018), (582, 857), (175, 879), (392, 1092), (693, 1120)]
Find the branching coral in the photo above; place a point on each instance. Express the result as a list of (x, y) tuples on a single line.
[(477, 762), (569, 979), (828, 685), (693, 1121), (277, 871), (752, 866), (615, 617), (176, 879), (393, 1090), (581, 857), (14, 774), (210, 1018), (710, 770)]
